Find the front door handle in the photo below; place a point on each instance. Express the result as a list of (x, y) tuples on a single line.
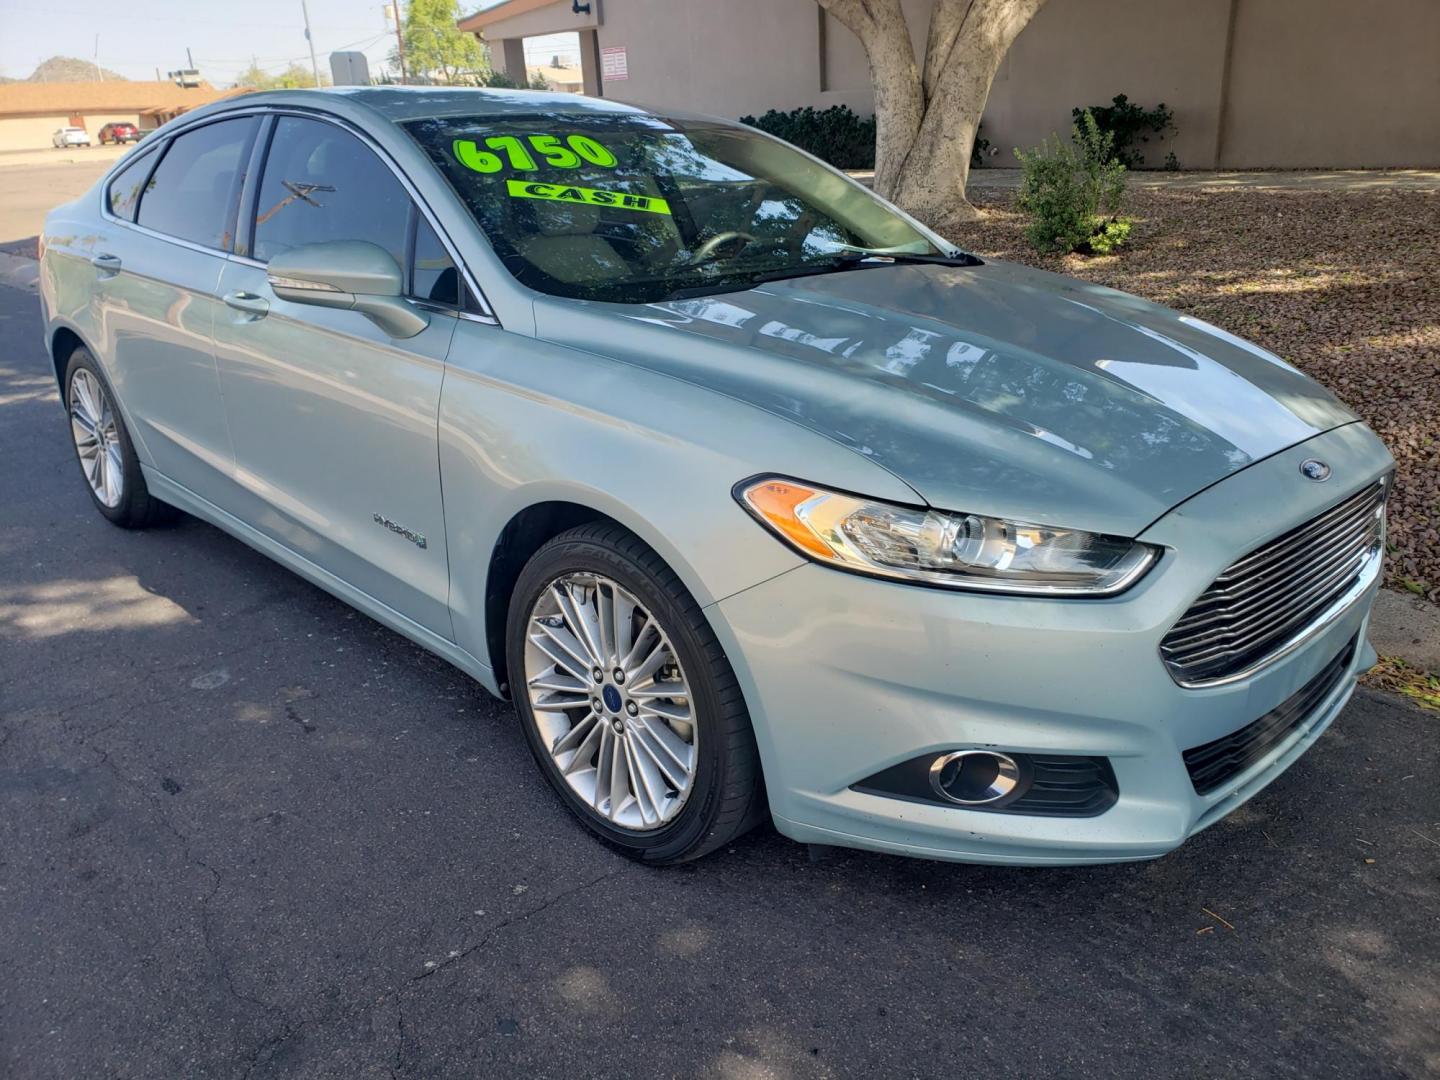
[(257, 307), (106, 263)]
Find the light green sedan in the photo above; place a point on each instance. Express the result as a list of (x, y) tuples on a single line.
[(757, 498)]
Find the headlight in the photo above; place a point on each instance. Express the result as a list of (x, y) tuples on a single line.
[(958, 551)]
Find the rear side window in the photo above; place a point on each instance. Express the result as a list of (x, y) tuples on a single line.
[(124, 193), (321, 183), (193, 191)]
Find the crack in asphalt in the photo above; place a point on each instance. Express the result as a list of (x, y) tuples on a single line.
[(513, 919), (207, 929)]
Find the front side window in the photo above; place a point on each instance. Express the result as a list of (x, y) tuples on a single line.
[(434, 276), (193, 192), (321, 183), (637, 209)]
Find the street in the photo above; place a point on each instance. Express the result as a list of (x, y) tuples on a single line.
[(246, 831), (28, 191)]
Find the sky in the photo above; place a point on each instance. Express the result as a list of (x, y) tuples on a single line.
[(138, 36)]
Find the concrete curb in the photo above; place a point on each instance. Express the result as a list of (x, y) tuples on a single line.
[(19, 272), (1408, 627)]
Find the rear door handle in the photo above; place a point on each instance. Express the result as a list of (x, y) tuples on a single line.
[(107, 264), (255, 306)]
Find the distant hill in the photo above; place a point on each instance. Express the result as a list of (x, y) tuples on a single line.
[(70, 69)]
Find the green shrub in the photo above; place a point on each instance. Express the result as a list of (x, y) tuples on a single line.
[(1072, 192), (836, 135), (1129, 124), (981, 148), (839, 136)]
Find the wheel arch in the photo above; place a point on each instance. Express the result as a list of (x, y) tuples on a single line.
[(527, 530), (64, 340)]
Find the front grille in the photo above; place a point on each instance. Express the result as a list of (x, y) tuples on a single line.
[(1272, 596), (1216, 763)]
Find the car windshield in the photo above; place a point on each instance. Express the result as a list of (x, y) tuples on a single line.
[(640, 209)]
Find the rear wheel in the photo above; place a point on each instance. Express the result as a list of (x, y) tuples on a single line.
[(104, 450), (627, 700)]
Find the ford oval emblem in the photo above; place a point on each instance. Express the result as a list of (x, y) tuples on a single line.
[(1313, 469)]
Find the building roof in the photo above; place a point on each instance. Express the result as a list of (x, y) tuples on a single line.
[(506, 9), (558, 76), (51, 99)]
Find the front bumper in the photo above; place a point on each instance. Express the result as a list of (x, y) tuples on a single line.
[(846, 675)]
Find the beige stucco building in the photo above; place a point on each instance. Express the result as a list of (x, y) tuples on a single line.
[(1253, 83), (30, 112)]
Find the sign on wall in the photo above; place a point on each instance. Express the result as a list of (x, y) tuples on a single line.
[(614, 63)]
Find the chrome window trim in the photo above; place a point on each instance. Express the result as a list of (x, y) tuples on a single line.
[(485, 315)]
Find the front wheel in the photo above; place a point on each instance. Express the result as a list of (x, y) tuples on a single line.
[(627, 700)]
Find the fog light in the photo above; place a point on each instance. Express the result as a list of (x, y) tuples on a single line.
[(974, 777)]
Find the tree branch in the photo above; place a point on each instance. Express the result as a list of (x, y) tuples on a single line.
[(947, 19), (932, 181), (899, 96)]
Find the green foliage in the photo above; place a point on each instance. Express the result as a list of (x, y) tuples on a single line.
[(837, 135), (498, 80), (1109, 236), (437, 52), (1072, 192), (295, 77), (1131, 124)]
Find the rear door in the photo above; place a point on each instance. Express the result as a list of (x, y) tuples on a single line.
[(334, 422), (156, 286)]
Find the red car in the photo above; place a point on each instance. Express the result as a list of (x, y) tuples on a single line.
[(119, 133)]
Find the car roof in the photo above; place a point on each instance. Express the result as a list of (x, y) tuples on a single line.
[(399, 104)]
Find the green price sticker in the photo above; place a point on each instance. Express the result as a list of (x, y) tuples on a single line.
[(527, 189), (500, 151)]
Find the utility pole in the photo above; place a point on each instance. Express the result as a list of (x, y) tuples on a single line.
[(314, 64), (399, 39), (96, 60)]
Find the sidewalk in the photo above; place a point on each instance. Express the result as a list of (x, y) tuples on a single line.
[(72, 155)]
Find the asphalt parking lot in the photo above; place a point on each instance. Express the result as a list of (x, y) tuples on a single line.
[(245, 831)]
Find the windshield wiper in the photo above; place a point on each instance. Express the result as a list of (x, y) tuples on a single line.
[(882, 258)]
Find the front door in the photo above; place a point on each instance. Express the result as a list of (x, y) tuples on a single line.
[(334, 422)]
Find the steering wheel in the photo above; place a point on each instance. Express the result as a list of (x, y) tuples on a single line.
[(729, 236)]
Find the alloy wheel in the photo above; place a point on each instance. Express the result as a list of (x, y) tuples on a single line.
[(611, 702), (97, 438)]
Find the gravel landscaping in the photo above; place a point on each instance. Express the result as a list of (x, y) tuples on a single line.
[(1345, 285)]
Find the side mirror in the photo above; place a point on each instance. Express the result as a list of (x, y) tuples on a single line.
[(349, 274)]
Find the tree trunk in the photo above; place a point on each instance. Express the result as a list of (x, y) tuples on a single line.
[(926, 122), (899, 99)]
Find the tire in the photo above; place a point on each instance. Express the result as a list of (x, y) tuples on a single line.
[(133, 507), (725, 795)]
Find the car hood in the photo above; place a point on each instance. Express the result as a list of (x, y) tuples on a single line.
[(995, 389)]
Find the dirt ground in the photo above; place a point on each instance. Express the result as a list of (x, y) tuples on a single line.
[(1345, 284)]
